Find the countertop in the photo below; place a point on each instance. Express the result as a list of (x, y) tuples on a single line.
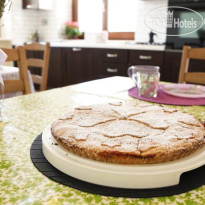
[(25, 117), (110, 44)]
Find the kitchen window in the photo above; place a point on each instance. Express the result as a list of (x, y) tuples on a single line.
[(122, 15), (90, 15), (118, 17)]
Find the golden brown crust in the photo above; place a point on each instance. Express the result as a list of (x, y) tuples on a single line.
[(126, 133)]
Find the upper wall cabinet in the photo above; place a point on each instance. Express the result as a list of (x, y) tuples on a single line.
[(30, 4), (38, 4)]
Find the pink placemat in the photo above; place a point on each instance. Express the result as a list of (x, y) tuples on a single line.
[(164, 98)]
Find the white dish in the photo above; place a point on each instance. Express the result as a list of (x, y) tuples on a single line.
[(184, 90), (119, 176)]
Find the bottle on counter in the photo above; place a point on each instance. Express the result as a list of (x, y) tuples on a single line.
[(35, 37)]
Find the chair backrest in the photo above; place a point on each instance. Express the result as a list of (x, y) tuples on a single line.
[(23, 84), (39, 63), (191, 77)]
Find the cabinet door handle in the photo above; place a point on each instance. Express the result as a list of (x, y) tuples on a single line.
[(76, 49), (112, 55), (112, 70), (141, 57)]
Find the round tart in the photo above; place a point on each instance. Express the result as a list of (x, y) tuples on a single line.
[(129, 133)]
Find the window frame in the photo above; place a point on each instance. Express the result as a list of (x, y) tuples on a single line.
[(111, 35)]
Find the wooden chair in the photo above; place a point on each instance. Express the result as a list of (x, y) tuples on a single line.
[(39, 63), (191, 77), (23, 84)]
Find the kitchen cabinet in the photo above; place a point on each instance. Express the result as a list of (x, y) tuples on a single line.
[(141, 57), (171, 66), (113, 69), (95, 63), (30, 4), (196, 66), (69, 65), (55, 73), (37, 4), (113, 62), (114, 55), (76, 65)]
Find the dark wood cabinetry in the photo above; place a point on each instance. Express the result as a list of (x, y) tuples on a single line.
[(72, 65), (113, 62), (171, 66), (114, 55), (75, 65), (55, 74), (141, 57), (112, 69), (196, 65), (95, 63)]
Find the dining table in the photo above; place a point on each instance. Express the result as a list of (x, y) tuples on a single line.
[(24, 117)]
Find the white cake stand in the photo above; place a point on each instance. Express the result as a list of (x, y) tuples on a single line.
[(119, 176)]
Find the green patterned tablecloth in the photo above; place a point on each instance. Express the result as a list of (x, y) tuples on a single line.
[(25, 117)]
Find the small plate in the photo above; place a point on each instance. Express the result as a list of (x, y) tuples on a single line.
[(184, 90)]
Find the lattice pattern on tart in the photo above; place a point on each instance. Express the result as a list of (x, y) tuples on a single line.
[(129, 133)]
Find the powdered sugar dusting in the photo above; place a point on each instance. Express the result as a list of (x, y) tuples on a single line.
[(140, 129)]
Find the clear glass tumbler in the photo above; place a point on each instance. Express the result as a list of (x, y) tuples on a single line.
[(146, 78)]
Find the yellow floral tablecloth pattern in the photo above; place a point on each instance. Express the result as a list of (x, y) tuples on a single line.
[(25, 117)]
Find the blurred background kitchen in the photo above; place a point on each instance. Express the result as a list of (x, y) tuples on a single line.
[(112, 36)]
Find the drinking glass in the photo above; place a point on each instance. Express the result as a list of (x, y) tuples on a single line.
[(146, 78)]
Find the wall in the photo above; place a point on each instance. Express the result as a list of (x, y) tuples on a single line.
[(143, 7), (19, 24), (61, 13)]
